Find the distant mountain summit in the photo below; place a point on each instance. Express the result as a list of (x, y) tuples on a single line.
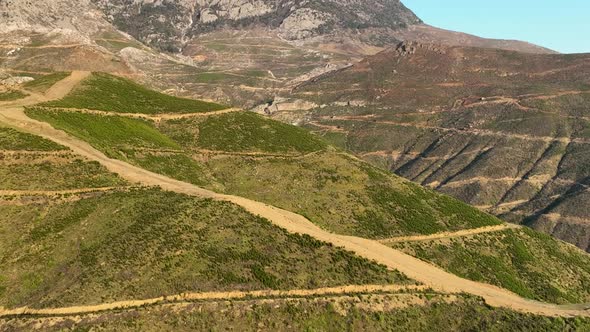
[(168, 24)]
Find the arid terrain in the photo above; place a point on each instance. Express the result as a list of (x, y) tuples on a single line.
[(508, 138), (279, 165)]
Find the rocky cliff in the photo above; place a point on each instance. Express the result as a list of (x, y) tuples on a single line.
[(169, 24)]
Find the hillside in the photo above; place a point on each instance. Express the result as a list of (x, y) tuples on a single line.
[(154, 251), (239, 153), (261, 165), (299, 20), (501, 130), (243, 153), (242, 53), (60, 208), (373, 312)]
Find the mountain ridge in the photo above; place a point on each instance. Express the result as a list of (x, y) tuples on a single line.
[(502, 130)]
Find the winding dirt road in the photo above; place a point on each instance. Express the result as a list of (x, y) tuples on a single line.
[(412, 267)]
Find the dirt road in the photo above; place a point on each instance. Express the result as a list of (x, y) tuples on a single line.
[(412, 267), (446, 235), (234, 295), (153, 117), (60, 192)]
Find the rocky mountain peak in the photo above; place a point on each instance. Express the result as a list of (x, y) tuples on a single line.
[(167, 24)]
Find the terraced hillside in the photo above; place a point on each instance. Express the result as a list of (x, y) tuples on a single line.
[(27, 161), (152, 252), (504, 131)]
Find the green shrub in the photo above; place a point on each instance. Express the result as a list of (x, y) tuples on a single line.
[(110, 93), (43, 83)]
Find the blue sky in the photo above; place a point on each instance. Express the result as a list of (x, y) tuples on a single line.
[(562, 25)]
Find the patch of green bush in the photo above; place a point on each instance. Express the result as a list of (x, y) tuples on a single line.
[(43, 83), (148, 243), (11, 139), (12, 95), (107, 133), (526, 262), (110, 93), (246, 131)]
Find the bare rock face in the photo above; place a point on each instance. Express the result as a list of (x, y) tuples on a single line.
[(47, 15), (168, 24), (303, 22)]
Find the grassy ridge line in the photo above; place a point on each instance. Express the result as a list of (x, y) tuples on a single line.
[(234, 295), (109, 93)]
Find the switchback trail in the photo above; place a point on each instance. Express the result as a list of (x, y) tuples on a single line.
[(412, 267), (230, 295)]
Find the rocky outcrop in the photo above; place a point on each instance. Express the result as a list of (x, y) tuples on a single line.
[(47, 15), (168, 24), (303, 22)]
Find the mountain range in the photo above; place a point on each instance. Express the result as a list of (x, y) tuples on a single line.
[(286, 165)]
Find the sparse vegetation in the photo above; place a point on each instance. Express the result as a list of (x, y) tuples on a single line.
[(531, 264), (149, 243), (242, 132), (38, 173), (109, 93), (518, 131), (177, 165), (44, 171), (11, 95), (43, 83), (346, 196), (352, 313)]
